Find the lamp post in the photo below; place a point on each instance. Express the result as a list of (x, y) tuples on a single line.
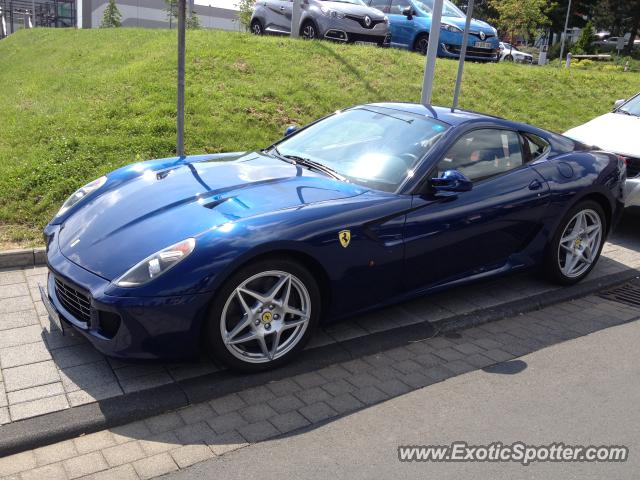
[(564, 34), (432, 53), (463, 54), (181, 55)]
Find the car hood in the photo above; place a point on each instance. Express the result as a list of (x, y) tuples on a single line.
[(131, 218), (615, 132), (476, 25), (352, 9)]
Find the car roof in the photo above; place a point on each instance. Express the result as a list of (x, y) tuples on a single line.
[(444, 114)]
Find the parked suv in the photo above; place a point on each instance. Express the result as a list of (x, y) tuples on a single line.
[(340, 20), (410, 22)]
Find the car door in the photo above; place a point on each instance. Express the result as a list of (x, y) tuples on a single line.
[(402, 29), (451, 236), (276, 15)]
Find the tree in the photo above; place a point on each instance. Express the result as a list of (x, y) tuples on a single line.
[(619, 17), (585, 42), (245, 11), (111, 17), (192, 20), (172, 10), (521, 17)]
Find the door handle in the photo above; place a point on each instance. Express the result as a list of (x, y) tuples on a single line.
[(535, 185), (281, 8)]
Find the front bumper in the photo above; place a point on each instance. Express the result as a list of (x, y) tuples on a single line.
[(449, 50), (349, 30), (131, 327)]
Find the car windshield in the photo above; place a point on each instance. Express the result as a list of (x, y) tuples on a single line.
[(352, 2), (508, 46), (632, 106), (372, 146), (448, 8)]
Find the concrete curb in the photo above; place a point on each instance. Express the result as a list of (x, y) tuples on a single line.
[(27, 257), (58, 426)]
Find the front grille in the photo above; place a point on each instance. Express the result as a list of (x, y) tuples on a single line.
[(74, 301), (360, 20), (477, 34), (472, 51), (633, 167)]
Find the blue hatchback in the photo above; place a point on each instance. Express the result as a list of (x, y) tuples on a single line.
[(410, 24)]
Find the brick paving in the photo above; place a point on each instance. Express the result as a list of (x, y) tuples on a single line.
[(176, 440), (42, 371)]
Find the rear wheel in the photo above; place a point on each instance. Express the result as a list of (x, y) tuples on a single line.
[(256, 27), (508, 58), (263, 315), (421, 43), (577, 243)]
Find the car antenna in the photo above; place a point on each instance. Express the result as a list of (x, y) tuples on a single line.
[(463, 54)]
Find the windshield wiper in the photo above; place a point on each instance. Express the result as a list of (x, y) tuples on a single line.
[(626, 113), (306, 162)]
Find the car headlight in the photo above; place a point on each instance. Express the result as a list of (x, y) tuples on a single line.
[(331, 13), (81, 193), (155, 265), (450, 28), (386, 19)]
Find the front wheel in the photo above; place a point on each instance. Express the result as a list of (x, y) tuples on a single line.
[(577, 243), (308, 31), (263, 315), (421, 44)]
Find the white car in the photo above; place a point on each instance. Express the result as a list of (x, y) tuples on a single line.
[(617, 131), (509, 53)]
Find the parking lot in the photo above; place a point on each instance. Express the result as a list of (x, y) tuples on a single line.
[(44, 371)]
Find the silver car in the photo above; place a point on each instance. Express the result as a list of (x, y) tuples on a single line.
[(340, 20)]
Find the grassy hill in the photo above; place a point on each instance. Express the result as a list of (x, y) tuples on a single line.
[(77, 104)]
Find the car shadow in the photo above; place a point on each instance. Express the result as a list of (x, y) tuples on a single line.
[(361, 76)]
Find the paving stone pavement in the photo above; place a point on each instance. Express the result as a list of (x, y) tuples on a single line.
[(176, 440), (42, 371)]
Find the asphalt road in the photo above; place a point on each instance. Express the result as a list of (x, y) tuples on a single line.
[(583, 391)]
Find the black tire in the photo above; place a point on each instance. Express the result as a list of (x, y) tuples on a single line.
[(508, 58), (214, 343), (256, 27), (309, 30), (421, 43), (552, 263)]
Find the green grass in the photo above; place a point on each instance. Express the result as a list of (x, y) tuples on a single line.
[(77, 104)]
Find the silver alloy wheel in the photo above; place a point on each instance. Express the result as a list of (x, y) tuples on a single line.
[(580, 243), (309, 32), (265, 317), (257, 28)]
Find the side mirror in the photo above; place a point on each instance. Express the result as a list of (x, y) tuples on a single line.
[(408, 12), (619, 103), (290, 129), (451, 181)]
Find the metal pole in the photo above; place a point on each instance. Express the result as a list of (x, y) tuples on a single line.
[(432, 52), (463, 54), (564, 34), (33, 12), (181, 54), (296, 13)]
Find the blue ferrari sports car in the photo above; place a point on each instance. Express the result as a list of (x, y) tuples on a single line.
[(243, 254)]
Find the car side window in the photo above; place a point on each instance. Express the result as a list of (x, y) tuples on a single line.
[(535, 145), (397, 6), (382, 5), (483, 153)]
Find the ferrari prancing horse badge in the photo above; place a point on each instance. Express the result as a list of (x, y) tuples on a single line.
[(345, 238)]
